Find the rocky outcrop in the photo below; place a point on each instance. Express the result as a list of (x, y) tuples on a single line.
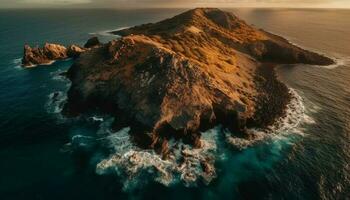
[(184, 75), (74, 51), (92, 42), (45, 55), (48, 53)]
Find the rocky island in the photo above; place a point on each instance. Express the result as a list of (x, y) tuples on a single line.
[(179, 77)]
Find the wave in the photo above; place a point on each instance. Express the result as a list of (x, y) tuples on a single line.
[(185, 164), (97, 119), (59, 76), (108, 32), (284, 126), (18, 63), (57, 99), (56, 102), (43, 64), (340, 61)]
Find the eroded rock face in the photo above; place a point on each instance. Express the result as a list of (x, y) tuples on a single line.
[(184, 75)]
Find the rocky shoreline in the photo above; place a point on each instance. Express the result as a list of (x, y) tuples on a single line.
[(272, 100)]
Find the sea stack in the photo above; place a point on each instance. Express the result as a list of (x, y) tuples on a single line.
[(184, 75), (45, 55), (48, 53)]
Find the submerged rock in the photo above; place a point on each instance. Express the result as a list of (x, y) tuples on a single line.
[(183, 75)]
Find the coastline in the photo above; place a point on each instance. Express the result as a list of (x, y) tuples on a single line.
[(273, 97)]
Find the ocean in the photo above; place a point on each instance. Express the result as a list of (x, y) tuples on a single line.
[(46, 156)]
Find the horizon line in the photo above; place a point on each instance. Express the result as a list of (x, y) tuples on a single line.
[(149, 7)]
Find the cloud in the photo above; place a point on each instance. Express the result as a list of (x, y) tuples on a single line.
[(174, 3), (54, 1), (222, 3)]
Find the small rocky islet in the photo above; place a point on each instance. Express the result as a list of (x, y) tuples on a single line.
[(179, 77)]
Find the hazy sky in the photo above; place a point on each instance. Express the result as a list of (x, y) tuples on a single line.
[(173, 3)]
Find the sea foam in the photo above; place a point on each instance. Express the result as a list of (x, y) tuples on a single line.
[(108, 32), (340, 61), (55, 102), (57, 99), (17, 63), (284, 126), (185, 164)]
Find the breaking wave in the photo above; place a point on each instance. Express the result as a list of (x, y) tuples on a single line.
[(284, 126), (340, 61), (108, 32), (57, 99), (17, 63), (186, 165), (56, 102)]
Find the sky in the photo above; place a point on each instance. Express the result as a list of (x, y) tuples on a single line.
[(172, 3)]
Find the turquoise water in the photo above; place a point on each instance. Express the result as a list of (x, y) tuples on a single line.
[(310, 161)]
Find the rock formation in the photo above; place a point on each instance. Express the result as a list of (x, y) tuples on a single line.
[(74, 51), (49, 53), (92, 42), (184, 75), (45, 55)]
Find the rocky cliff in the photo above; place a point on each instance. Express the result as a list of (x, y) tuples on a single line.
[(184, 75)]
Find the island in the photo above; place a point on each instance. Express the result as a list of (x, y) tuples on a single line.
[(181, 76)]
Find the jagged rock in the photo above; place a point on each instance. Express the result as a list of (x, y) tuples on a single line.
[(92, 42), (45, 55), (49, 53), (184, 75)]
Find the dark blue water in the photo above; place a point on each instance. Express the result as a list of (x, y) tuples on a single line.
[(310, 162)]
